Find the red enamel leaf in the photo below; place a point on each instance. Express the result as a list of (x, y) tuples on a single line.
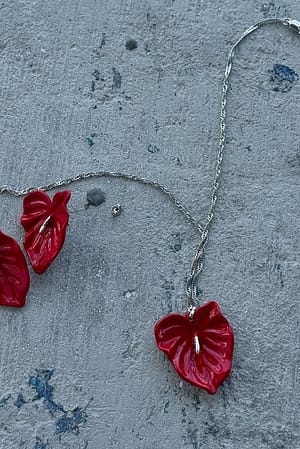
[(14, 275), (201, 348), (45, 223)]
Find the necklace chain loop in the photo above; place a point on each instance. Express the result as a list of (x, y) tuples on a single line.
[(197, 263)]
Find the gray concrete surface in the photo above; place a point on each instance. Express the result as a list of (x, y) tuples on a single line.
[(79, 366)]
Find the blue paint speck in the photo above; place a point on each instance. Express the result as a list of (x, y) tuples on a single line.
[(71, 420), (90, 140), (44, 391), (65, 420), (283, 78)]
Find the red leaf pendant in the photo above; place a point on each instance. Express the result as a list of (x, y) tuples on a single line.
[(45, 223), (201, 348), (14, 275)]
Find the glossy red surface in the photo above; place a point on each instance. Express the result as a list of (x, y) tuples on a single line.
[(45, 223), (175, 335), (14, 275)]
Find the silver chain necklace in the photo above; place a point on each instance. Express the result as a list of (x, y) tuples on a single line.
[(203, 228)]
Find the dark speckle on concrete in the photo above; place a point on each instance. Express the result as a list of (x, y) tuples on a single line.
[(212, 426), (103, 40), (95, 197), (294, 161), (117, 79), (96, 74), (177, 247), (196, 402), (20, 401), (90, 139), (39, 444), (278, 268), (166, 406), (270, 9), (98, 51), (4, 400), (131, 44), (192, 436), (177, 243), (169, 288), (153, 149), (146, 47), (283, 78), (199, 291)]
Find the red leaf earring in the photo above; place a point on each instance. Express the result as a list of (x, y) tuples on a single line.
[(14, 275), (200, 346), (45, 223)]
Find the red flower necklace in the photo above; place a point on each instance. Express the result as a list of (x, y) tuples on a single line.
[(199, 343)]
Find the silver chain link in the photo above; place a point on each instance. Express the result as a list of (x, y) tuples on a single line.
[(197, 263), (107, 174)]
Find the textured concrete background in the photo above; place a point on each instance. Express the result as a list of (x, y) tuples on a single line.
[(79, 366)]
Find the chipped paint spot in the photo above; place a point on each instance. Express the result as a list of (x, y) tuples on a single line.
[(131, 44), (95, 197), (283, 78), (129, 294)]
